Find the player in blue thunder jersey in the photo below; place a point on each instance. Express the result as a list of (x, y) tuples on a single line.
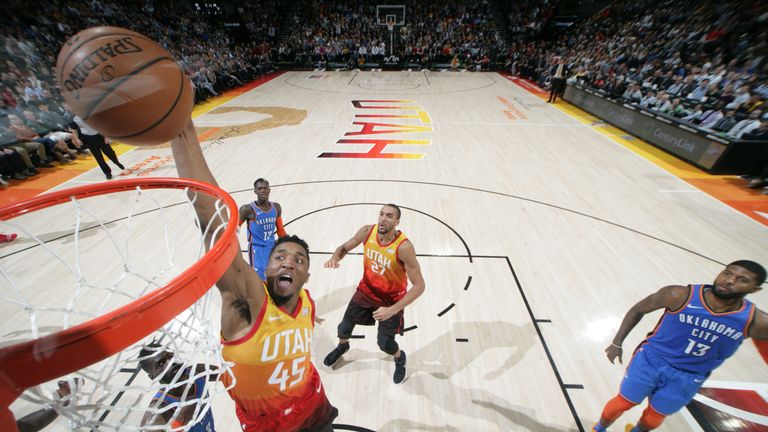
[(154, 361), (264, 221), (701, 327)]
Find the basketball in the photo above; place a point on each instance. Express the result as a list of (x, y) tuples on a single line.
[(124, 85)]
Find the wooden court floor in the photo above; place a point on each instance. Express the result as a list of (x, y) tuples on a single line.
[(535, 234)]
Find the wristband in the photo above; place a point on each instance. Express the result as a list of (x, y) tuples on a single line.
[(616, 346)]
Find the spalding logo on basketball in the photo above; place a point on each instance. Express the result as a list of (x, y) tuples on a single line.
[(124, 85)]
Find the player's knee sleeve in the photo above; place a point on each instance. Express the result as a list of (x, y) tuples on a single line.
[(344, 330), (387, 344), (651, 419), (615, 408)]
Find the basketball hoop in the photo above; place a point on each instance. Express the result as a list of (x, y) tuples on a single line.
[(391, 22), (175, 302)]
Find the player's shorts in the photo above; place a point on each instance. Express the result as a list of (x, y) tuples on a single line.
[(259, 257), (360, 311), (312, 413), (668, 389)]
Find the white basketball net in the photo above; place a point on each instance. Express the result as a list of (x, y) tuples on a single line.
[(390, 22), (77, 261)]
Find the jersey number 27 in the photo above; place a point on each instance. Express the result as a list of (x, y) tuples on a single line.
[(377, 268)]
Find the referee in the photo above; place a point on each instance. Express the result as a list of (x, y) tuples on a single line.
[(558, 81), (98, 146)]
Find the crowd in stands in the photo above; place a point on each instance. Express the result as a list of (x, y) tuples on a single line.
[(347, 32), (701, 62), (36, 129), (454, 32), (338, 31), (527, 22)]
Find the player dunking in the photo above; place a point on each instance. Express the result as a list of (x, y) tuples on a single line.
[(266, 327), (389, 260), (264, 220), (701, 327)]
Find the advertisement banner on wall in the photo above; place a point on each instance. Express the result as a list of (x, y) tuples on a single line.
[(695, 146)]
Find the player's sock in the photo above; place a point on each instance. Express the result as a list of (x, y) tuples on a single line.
[(614, 409), (334, 355), (650, 420), (598, 428), (399, 375)]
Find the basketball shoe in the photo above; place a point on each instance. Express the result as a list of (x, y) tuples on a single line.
[(399, 375), (334, 355), (6, 238)]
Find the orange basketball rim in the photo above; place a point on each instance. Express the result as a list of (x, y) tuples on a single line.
[(43, 359)]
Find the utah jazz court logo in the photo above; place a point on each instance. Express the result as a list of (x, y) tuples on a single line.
[(396, 122)]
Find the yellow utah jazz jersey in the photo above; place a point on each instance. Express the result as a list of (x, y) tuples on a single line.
[(272, 362), (384, 277)]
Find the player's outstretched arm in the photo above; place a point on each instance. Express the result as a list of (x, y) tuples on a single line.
[(36, 421), (242, 293), (39, 419), (758, 331), (347, 246), (670, 297), (245, 213), (759, 327), (407, 254), (190, 163), (279, 221)]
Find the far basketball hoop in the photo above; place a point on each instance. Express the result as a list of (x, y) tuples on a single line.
[(391, 16), (391, 20)]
